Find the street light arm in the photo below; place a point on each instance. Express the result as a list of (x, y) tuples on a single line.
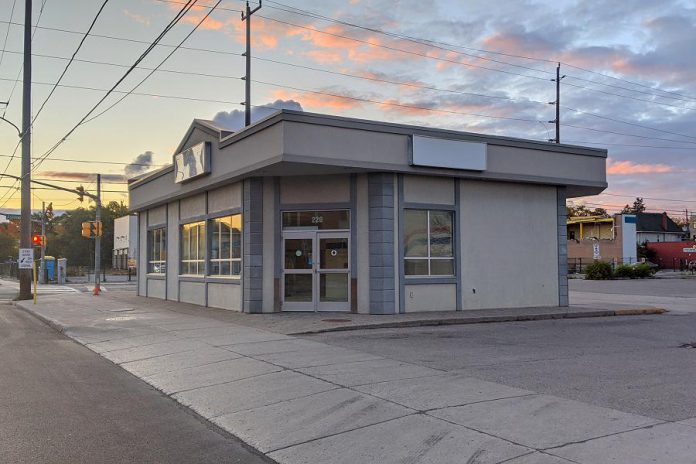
[(19, 132), (58, 187)]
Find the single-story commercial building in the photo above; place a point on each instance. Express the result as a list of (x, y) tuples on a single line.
[(307, 212)]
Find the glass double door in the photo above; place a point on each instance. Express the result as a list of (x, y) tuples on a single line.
[(316, 271)]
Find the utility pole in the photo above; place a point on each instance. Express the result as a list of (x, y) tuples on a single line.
[(25, 224), (97, 240), (42, 267), (557, 121), (246, 16)]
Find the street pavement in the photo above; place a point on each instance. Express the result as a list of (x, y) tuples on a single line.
[(416, 395), (676, 295), (61, 403)]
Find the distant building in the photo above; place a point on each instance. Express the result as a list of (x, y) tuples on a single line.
[(691, 227), (125, 242), (611, 239), (657, 227)]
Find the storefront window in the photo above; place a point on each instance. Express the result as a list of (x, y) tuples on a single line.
[(157, 259), (226, 246), (428, 243), (193, 248)]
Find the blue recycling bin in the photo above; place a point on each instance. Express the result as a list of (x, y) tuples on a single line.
[(50, 264)]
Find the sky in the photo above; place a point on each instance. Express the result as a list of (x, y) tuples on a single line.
[(477, 66)]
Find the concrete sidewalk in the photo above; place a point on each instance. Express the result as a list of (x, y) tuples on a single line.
[(300, 401)]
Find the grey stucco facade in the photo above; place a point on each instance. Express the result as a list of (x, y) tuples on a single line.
[(334, 215)]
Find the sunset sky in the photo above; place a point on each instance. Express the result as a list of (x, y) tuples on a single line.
[(630, 82)]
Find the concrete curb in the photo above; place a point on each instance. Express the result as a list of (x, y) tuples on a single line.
[(49, 322), (490, 319)]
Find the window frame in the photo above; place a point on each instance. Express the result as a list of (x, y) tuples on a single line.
[(429, 258), (151, 240), (213, 231), (198, 260)]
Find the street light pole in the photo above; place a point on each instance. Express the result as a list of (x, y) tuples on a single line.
[(25, 224)]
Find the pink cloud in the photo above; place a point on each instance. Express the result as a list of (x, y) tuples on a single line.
[(623, 168)]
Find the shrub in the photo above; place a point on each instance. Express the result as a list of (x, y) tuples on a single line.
[(642, 271), (599, 270), (624, 271)]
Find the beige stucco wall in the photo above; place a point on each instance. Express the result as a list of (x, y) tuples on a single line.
[(156, 288), (424, 189), (508, 245), (192, 206), (157, 216), (314, 189), (225, 198), (225, 296), (430, 297), (192, 292)]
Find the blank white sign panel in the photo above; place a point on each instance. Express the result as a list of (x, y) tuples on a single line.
[(445, 153)]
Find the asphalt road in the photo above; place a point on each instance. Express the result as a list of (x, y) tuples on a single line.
[(61, 403), (633, 364)]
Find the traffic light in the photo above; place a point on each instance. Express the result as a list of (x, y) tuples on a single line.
[(81, 197), (38, 240), (92, 229)]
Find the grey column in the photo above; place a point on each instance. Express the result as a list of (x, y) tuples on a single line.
[(380, 191), (562, 247), (253, 245)]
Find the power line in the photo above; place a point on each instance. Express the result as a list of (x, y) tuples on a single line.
[(21, 68), (434, 43), (626, 80), (98, 162), (684, 99), (7, 33), (389, 103), (169, 26), (152, 71), (367, 100), (300, 66), (647, 198), (627, 96), (374, 79), (70, 61), (643, 126), (585, 142)]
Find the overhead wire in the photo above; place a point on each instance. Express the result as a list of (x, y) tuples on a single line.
[(152, 71), (169, 26), (7, 33)]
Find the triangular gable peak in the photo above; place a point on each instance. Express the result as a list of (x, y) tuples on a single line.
[(202, 130)]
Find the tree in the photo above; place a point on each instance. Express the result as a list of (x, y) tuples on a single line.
[(584, 211), (9, 244), (638, 207), (66, 240)]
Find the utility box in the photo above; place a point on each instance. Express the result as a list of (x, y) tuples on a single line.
[(62, 270)]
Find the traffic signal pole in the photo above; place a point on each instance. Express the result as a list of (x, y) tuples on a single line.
[(97, 240)]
